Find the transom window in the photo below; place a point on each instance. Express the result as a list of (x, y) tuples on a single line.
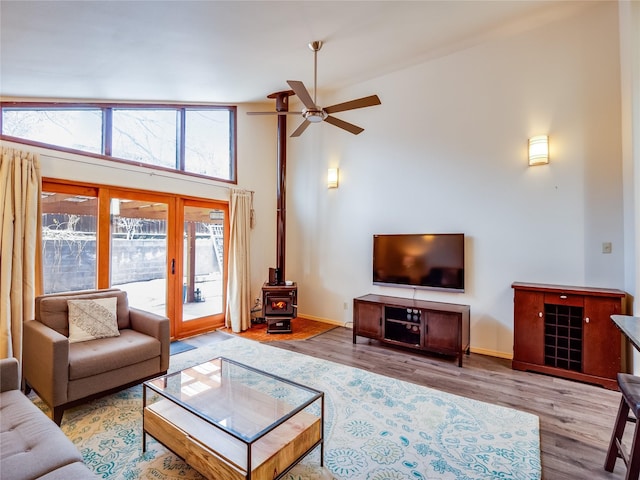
[(197, 140)]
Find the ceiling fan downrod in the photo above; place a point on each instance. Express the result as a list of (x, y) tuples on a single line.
[(315, 46)]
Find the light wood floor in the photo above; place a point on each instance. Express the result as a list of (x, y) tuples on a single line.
[(576, 419)]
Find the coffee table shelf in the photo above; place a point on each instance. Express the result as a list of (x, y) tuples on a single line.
[(222, 417)]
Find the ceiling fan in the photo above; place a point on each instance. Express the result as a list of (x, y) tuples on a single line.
[(312, 113)]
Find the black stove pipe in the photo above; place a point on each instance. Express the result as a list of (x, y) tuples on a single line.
[(282, 105)]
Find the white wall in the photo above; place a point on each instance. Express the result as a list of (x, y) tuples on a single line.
[(446, 152)]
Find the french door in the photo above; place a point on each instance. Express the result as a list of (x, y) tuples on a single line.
[(203, 265), (167, 252)]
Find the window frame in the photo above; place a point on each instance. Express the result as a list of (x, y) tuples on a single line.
[(107, 131)]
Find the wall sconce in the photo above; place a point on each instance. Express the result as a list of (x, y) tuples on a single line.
[(539, 150), (332, 178)]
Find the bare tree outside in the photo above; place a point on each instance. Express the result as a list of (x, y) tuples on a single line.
[(147, 136), (208, 150), (69, 242), (77, 129), (129, 225)]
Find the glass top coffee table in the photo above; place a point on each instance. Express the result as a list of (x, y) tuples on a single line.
[(228, 420)]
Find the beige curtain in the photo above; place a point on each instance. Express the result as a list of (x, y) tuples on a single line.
[(20, 190), (238, 314)]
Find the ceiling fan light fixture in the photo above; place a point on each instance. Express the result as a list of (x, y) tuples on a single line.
[(314, 116)]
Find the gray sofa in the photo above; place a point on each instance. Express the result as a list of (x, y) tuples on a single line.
[(65, 374), (31, 445)]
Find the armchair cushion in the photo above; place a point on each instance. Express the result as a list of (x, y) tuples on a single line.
[(87, 359), (92, 319)]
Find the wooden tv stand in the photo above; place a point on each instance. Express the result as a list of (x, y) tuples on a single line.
[(427, 326)]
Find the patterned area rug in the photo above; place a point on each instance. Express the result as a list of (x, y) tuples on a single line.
[(376, 427)]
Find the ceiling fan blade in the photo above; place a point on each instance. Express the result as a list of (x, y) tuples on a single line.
[(349, 127), (302, 93), (369, 101), (303, 126), (274, 113)]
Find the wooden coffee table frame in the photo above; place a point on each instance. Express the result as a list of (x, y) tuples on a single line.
[(220, 452)]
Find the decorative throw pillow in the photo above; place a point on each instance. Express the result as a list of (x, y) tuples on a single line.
[(91, 319)]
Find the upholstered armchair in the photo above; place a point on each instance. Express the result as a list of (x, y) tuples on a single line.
[(78, 348)]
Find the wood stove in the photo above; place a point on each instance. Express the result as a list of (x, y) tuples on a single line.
[(279, 306)]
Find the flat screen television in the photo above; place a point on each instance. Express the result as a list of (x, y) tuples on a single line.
[(431, 261)]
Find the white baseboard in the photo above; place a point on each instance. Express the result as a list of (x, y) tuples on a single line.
[(323, 320), (492, 353)]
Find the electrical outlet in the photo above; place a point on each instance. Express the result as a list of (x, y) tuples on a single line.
[(258, 304), (606, 247), (345, 306)]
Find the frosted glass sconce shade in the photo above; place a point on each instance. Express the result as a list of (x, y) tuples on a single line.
[(539, 150), (332, 178)]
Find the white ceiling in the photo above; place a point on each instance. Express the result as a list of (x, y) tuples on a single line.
[(236, 51)]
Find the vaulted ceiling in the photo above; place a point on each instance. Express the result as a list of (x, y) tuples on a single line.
[(236, 51)]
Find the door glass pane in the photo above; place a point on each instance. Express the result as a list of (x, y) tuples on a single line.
[(203, 267), (139, 252), (68, 242)]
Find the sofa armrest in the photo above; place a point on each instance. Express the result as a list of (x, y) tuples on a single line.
[(9, 375), (45, 362), (156, 326)]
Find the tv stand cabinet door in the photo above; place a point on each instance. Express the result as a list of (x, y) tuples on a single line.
[(367, 320), (443, 332)]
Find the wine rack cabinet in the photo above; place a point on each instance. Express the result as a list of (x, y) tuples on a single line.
[(568, 332)]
